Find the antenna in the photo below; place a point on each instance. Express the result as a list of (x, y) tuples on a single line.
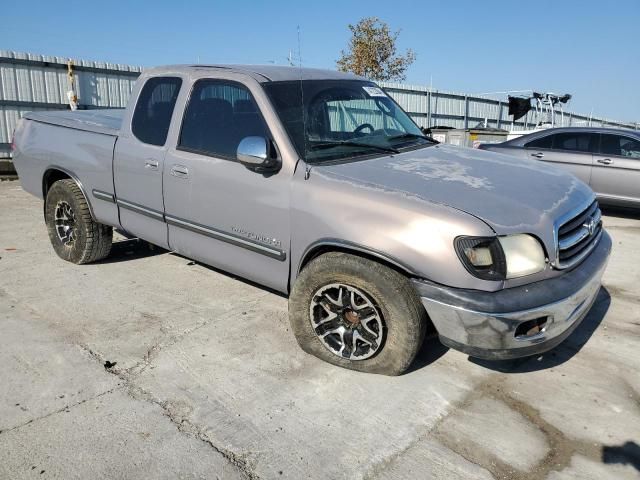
[(304, 114)]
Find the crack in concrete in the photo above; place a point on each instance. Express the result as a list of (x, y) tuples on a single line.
[(128, 375), (64, 409), (182, 423), (186, 426), (153, 351)]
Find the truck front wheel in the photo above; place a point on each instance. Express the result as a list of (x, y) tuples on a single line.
[(357, 314), (75, 236)]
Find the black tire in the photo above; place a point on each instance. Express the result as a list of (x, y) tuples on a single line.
[(403, 315), (89, 241)]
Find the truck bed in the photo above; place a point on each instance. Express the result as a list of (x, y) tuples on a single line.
[(105, 121), (79, 144)]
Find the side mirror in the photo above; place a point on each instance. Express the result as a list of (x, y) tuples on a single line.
[(253, 153)]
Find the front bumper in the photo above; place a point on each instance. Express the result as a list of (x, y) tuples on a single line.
[(485, 324)]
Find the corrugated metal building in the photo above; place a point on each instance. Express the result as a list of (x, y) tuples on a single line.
[(439, 108), (35, 82)]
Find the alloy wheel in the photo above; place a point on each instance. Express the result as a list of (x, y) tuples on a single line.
[(347, 321), (65, 222)]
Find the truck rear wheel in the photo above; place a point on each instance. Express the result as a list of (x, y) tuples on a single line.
[(75, 236), (357, 314)]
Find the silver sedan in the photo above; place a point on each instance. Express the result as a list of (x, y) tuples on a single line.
[(607, 159)]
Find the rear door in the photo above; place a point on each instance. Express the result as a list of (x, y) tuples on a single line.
[(616, 169), (139, 160), (572, 151)]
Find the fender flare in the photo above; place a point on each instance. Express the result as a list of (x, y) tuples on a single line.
[(73, 177), (347, 246)]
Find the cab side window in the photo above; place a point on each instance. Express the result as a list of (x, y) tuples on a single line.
[(152, 115), (544, 142), (619, 145), (219, 115)]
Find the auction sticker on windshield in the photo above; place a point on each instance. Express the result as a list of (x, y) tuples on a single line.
[(374, 91)]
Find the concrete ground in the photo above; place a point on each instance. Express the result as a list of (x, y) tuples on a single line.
[(150, 366)]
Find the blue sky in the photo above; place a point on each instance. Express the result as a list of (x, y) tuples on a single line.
[(586, 48)]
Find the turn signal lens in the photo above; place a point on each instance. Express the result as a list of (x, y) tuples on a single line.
[(479, 256), (482, 257)]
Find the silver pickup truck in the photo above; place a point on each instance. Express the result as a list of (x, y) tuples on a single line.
[(318, 185)]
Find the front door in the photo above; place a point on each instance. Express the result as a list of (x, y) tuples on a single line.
[(616, 168), (138, 161), (218, 211), (572, 151)]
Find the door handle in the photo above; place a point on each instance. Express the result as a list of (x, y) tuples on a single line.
[(180, 171), (538, 155), (605, 161), (151, 164)]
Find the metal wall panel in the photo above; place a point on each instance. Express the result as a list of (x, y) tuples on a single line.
[(31, 82), (459, 110)]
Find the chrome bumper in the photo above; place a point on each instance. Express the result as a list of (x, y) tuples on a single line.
[(485, 324)]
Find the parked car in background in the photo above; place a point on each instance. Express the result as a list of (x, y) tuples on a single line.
[(605, 158), (317, 184)]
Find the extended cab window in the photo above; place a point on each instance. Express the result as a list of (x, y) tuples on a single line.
[(152, 116), (544, 142), (219, 115), (619, 145), (574, 141)]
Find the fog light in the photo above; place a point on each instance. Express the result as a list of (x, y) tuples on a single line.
[(531, 328)]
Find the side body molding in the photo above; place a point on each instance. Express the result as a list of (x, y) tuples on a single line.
[(221, 235)]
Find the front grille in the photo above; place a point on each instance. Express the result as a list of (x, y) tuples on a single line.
[(578, 236)]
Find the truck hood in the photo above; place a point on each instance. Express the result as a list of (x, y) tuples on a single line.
[(510, 194)]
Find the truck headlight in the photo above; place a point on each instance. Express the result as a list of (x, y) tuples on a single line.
[(524, 255), (499, 258)]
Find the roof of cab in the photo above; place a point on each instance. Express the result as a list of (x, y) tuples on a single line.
[(261, 73)]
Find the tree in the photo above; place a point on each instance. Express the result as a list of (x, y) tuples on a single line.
[(372, 52)]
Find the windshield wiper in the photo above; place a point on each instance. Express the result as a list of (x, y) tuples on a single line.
[(349, 143), (411, 136)]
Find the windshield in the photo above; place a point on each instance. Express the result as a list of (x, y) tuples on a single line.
[(342, 119)]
